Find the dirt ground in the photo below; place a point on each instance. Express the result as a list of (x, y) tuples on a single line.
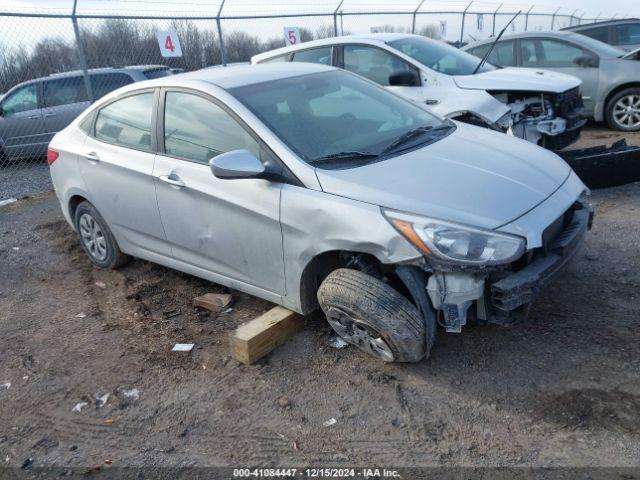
[(562, 388)]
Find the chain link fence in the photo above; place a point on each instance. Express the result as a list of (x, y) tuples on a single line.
[(54, 63)]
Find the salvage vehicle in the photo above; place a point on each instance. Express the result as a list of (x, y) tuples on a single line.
[(245, 176), (540, 106), (610, 76)]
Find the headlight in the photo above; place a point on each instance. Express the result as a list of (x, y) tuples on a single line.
[(457, 243)]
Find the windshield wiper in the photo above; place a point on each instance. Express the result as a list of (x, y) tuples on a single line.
[(342, 156), (486, 55), (410, 135)]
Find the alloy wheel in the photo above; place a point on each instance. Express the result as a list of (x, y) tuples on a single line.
[(626, 111), (92, 237)]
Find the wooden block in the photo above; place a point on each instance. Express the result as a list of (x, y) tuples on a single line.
[(216, 302), (254, 339)]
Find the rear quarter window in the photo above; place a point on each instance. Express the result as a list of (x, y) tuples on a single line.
[(103, 83)]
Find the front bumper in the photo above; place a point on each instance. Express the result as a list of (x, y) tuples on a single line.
[(521, 287)]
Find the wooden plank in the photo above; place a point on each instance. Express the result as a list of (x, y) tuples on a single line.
[(254, 339), (215, 302)]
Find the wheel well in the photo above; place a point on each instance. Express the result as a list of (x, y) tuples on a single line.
[(322, 265), (73, 204), (618, 89)]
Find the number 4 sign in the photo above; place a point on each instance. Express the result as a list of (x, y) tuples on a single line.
[(169, 44), (291, 36)]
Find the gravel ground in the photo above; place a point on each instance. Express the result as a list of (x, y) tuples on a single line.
[(25, 179), (560, 389)]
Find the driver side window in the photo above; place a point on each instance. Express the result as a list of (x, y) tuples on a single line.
[(373, 63), (22, 100)]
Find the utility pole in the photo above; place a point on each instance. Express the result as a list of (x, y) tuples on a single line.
[(81, 55)]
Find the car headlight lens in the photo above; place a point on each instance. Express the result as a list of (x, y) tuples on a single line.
[(455, 243)]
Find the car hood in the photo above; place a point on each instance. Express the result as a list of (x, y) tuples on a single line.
[(473, 176), (518, 79)]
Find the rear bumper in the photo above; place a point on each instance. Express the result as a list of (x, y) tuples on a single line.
[(521, 287)]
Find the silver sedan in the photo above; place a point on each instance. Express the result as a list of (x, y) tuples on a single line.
[(311, 187), (610, 76)]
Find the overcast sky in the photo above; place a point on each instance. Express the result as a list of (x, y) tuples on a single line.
[(14, 32)]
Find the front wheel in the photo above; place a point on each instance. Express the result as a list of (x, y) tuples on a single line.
[(96, 238), (371, 315), (623, 110)]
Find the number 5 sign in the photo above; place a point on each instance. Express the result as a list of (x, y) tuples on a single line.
[(169, 44), (291, 36)]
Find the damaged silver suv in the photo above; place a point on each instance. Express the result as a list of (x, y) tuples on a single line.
[(312, 187)]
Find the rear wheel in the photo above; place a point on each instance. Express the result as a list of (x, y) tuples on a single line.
[(623, 110), (96, 238), (371, 315)]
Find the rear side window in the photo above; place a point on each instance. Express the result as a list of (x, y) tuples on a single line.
[(314, 55), (64, 91), (628, 33), (103, 83), (127, 122), (197, 129), (599, 33)]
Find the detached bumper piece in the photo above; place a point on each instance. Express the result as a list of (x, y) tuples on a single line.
[(601, 167), (520, 288)]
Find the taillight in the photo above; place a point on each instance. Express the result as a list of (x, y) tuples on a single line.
[(52, 156)]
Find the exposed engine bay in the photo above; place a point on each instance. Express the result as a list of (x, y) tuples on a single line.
[(551, 120)]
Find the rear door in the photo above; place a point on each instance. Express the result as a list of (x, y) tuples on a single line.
[(21, 125), (116, 165), (561, 56), (230, 228), (63, 100)]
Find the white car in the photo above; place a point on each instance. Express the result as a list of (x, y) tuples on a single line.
[(540, 106)]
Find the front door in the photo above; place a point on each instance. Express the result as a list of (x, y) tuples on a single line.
[(562, 56), (21, 124), (230, 228), (116, 164)]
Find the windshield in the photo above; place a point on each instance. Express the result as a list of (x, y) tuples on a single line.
[(439, 56), (338, 120)]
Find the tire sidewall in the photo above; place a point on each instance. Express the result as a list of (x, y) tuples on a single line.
[(609, 110), (112, 252)]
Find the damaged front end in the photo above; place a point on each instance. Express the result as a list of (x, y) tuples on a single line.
[(485, 288), (551, 120)]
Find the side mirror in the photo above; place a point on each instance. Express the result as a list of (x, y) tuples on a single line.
[(404, 78), (237, 164), (585, 61)]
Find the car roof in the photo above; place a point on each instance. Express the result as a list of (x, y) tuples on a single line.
[(239, 75), (136, 68), (602, 23), (371, 38), (601, 48)]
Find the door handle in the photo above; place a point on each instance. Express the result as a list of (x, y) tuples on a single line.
[(92, 156), (49, 115), (176, 182), (34, 117)]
